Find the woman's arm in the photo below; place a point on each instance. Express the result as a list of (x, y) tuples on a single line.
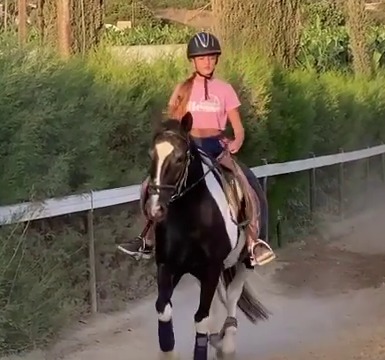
[(238, 129), (232, 108), (173, 101)]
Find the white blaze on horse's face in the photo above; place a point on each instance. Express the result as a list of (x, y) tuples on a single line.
[(163, 150)]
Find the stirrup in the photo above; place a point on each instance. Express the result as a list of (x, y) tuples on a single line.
[(263, 259)]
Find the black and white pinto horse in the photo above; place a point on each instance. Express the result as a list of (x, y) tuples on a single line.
[(196, 234)]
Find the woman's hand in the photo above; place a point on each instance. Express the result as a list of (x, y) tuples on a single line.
[(234, 146)]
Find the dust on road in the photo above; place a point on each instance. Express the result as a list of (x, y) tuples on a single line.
[(326, 295)]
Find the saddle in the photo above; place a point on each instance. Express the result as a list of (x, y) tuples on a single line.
[(232, 184)]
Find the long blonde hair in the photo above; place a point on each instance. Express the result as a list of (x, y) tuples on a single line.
[(179, 108)]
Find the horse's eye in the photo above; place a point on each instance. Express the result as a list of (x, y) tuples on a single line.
[(151, 153)]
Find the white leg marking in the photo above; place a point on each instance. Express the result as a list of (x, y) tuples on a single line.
[(166, 315), (170, 355), (203, 326), (163, 150), (234, 292), (215, 313)]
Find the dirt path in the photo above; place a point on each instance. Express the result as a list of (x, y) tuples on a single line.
[(327, 301)]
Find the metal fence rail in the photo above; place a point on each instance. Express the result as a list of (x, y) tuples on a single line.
[(91, 200), (104, 198)]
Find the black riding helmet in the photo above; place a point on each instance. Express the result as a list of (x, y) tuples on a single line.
[(203, 44)]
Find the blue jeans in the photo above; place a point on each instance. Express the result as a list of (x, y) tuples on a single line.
[(213, 147)]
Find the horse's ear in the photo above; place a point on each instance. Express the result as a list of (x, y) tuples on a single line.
[(187, 122)]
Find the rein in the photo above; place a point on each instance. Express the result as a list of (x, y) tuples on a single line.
[(186, 190)]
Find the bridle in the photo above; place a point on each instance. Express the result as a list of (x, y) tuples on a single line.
[(179, 189)]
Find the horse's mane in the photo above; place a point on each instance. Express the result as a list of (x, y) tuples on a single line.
[(168, 125)]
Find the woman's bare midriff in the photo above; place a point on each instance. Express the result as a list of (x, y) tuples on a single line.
[(204, 133)]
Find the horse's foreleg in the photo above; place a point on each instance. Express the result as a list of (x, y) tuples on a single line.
[(209, 283), (234, 291), (166, 284)]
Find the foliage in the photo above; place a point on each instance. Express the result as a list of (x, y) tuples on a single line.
[(148, 35), (327, 13), (322, 48), (136, 11), (47, 106), (41, 287), (330, 48), (177, 4)]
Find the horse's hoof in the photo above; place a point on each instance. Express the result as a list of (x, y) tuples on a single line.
[(215, 340), (169, 355)]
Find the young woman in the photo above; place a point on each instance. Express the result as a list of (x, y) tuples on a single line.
[(211, 102)]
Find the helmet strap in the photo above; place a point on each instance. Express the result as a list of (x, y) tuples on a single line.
[(205, 80)]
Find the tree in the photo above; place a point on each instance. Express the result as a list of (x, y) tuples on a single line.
[(76, 25), (273, 25), (357, 26)]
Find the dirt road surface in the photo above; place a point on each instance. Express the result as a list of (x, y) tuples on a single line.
[(327, 297)]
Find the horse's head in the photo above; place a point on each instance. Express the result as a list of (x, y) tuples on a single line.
[(170, 159)]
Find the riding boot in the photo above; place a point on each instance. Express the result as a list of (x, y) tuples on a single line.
[(260, 251), (141, 246)]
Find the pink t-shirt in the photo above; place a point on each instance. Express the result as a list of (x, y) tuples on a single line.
[(211, 113)]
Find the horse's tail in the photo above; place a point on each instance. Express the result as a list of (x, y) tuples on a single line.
[(247, 303)]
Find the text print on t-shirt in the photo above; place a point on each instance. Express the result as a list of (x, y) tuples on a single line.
[(211, 105)]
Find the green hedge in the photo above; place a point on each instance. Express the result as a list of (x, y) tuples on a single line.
[(86, 124), (47, 106)]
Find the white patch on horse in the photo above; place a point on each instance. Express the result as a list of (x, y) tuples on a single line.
[(163, 150), (166, 315), (221, 200), (203, 327)]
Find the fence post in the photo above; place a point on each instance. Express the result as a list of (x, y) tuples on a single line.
[(279, 229), (312, 188), (91, 259), (367, 174), (383, 167), (264, 187), (341, 187)]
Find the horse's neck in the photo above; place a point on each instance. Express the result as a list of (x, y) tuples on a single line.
[(195, 170)]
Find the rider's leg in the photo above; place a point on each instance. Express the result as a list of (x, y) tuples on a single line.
[(260, 251), (256, 185), (141, 246)]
